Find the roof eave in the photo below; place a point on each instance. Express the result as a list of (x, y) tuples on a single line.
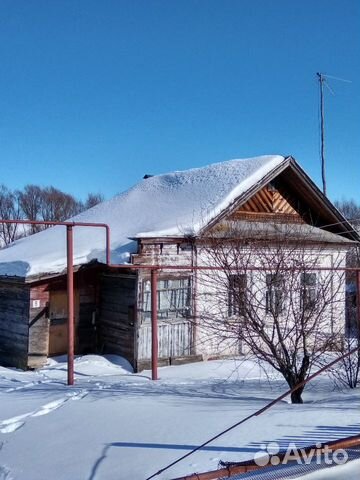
[(341, 220)]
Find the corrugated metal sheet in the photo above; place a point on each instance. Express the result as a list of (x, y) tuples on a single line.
[(292, 470)]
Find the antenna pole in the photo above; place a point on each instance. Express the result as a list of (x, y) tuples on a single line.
[(321, 82)]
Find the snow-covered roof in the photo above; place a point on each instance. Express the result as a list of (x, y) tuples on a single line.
[(173, 204)]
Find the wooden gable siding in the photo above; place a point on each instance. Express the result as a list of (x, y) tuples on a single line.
[(268, 202), (14, 326)]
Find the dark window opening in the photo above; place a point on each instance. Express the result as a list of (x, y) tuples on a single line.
[(308, 291), (237, 295), (275, 294)]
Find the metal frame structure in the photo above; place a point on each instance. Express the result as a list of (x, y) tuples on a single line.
[(70, 275), (154, 270)]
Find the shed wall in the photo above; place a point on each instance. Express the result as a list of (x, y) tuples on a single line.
[(116, 329), (38, 326), (14, 327)]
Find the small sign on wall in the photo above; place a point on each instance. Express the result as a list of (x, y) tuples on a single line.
[(35, 303)]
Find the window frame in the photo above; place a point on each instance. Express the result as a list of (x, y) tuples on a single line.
[(173, 309), (306, 302), (275, 294), (237, 306)]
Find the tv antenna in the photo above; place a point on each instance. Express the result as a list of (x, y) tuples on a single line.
[(323, 81)]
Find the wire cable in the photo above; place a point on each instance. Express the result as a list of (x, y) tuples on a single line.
[(255, 414)]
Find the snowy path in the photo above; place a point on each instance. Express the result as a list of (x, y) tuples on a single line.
[(12, 424), (127, 427)]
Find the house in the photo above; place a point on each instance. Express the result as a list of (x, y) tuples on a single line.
[(164, 220)]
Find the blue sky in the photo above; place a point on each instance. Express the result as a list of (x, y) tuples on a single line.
[(94, 94)]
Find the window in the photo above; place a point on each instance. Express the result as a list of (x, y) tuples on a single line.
[(174, 298), (237, 295), (274, 294), (308, 291)]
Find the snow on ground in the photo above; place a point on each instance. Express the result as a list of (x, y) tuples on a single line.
[(114, 424)]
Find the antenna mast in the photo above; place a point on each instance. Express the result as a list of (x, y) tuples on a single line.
[(322, 81), (321, 84)]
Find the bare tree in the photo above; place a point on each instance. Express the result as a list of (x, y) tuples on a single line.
[(347, 372), (36, 203), (31, 200), (93, 199), (351, 210), (9, 210), (57, 206), (51, 204), (270, 297)]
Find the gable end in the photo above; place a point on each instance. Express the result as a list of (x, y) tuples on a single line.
[(267, 204)]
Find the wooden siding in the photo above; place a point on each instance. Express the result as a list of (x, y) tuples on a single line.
[(175, 339), (176, 335), (164, 252), (86, 333), (58, 320), (116, 316), (48, 317), (265, 204), (38, 326), (14, 326)]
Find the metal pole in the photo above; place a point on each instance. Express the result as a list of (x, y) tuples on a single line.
[(358, 302), (108, 255), (70, 304), (70, 274), (322, 126), (154, 325)]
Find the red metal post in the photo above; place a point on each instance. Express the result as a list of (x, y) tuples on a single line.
[(108, 256), (154, 325), (358, 301), (70, 274), (66, 224), (70, 303)]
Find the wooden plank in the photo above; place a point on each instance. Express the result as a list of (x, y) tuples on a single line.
[(112, 315), (14, 312), (38, 343), (116, 317), (119, 332), (266, 202), (21, 329), (13, 342), (175, 339)]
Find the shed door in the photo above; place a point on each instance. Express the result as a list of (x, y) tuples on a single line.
[(58, 321)]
